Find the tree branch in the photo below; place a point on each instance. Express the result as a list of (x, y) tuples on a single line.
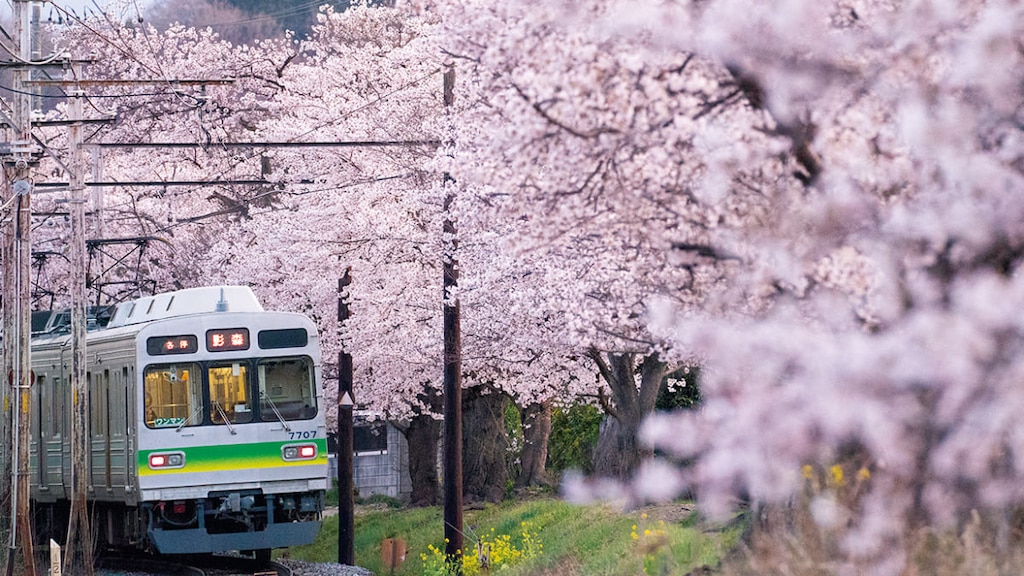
[(550, 119)]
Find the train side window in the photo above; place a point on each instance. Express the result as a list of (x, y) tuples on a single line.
[(286, 389), (91, 405), (96, 402), (57, 406), (115, 392), (173, 396), (229, 393), (45, 428)]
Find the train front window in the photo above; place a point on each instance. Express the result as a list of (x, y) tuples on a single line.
[(174, 396), (229, 393), (286, 389)]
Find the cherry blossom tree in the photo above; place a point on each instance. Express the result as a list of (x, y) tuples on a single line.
[(840, 175), (814, 201), (368, 206), (867, 308), (231, 23), (594, 144), (144, 105)]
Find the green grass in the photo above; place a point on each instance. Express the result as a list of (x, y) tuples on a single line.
[(589, 540)]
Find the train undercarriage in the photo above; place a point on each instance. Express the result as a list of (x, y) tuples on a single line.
[(246, 520)]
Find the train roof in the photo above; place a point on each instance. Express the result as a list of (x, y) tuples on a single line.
[(185, 303), (190, 301)]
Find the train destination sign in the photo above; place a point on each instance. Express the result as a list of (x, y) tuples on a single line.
[(161, 345), (224, 340)]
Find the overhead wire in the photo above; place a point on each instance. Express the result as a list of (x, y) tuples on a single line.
[(161, 74), (191, 102), (252, 156), (264, 16), (71, 16), (248, 201), (64, 96), (53, 58)]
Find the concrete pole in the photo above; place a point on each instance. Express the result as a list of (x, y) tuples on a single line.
[(97, 210), (18, 172), (79, 547)]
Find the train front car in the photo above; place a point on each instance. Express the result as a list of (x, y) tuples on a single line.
[(232, 448)]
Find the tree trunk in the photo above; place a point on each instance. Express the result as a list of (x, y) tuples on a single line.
[(484, 444), (536, 419), (423, 435), (618, 454)]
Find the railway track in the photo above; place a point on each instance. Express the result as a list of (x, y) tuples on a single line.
[(237, 566), (142, 565)]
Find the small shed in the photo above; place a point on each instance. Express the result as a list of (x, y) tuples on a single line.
[(380, 460)]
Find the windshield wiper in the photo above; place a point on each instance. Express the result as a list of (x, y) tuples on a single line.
[(184, 423), (276, 411), (224, 416)]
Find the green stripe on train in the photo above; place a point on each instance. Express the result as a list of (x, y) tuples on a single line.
[(232, 457)]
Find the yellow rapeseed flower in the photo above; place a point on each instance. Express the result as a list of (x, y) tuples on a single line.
[(837, 475)]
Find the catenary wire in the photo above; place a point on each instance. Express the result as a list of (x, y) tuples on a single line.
[(128, 53)]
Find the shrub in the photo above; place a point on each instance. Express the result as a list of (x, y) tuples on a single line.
[(574, 431)]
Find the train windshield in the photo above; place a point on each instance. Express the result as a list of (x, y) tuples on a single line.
[(286, 389), (174, 396), (229, 393)]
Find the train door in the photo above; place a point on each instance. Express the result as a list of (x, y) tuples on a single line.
[(101, 427), (117, 440), (41, 431), (97, 430), (57, 425), (128, 426)]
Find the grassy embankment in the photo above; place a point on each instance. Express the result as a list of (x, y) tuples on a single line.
[(538, 537)]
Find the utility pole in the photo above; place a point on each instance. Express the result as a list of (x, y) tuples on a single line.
[(97, 210), (346, 404), (17, 318), (78, 555), (452, 367)]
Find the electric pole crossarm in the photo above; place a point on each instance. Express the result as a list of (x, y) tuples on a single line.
[(157, 81)]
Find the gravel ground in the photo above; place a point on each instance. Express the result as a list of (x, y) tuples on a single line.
[(300, 568)]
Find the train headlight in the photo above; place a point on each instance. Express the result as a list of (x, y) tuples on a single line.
[(166, 460), (294, 452)]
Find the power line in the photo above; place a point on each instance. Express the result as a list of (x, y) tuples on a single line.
[(64, 96), (265, 16), (280, 144)]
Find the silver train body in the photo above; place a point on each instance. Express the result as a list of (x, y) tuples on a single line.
[(206, 426)]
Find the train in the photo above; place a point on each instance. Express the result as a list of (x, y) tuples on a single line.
[(206, 426)]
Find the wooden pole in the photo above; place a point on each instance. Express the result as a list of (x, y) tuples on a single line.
[(452, 369), (346, 404)]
